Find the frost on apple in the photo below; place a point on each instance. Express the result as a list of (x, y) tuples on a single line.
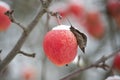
[(60, 44), (115, 77)]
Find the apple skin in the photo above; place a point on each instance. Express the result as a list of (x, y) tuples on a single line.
[(28, 73), (4, 19), (93, 25), (76, 10), (113, 8), (116, 62), (60, 46)]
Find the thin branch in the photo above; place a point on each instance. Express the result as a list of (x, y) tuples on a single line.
[(0, 50), (27, 54), (23, 37), (110, 72), (56, 15), (0, 55), (101, 60), (10, 14)]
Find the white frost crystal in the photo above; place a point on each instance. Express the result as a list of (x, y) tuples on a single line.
[(115, 77), (62, 27), (3, 4)]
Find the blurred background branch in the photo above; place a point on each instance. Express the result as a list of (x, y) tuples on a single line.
[(22, 39), (89, 16), (95, 64)]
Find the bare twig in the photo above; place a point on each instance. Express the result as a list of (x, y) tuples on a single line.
[(110, 72), (0, 50), (27, 54), (97, 63), (0, 55), (10, 14), (23, 37), (56, 15)]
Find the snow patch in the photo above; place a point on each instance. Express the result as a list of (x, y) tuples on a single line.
[(62, 27), (115, 77), (3, 4)]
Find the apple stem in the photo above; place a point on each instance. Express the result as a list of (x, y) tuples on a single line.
[(69, 21), (58, 17)]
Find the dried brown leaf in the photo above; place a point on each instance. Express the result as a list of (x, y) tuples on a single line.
[(81, 38)]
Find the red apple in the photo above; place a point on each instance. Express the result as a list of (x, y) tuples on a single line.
[(77, 10), (113, 7), (28, 73), (116, 62), (93, 25), (60, 45), (73, 9), (4, 19)]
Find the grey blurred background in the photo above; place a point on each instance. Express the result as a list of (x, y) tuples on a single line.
[(43, 69)]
